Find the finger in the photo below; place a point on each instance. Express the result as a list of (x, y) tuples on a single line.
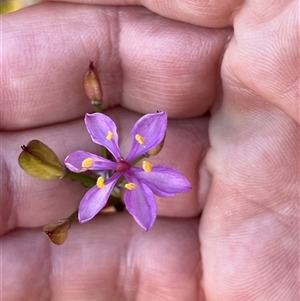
[(252, 212), (263, 57), (204, 13), (30, 202), (146, 63), (136, 269)]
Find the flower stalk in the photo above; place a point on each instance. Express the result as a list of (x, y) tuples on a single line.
[(83, 179)]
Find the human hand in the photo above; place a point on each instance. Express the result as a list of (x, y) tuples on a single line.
[(242, 161)]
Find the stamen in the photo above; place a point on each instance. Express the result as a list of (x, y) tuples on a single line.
[(130, 186), (139, 139), (100, 182), (109, 135), (147, 166), (87, 163)]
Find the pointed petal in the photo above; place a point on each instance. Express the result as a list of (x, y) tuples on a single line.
[(74, 162), (152, 127), (140, 203), (100, 126), (164, 181), (95, 199)]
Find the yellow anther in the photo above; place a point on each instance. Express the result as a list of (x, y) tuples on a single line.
[(109, 135), (87, 163), (139, 139), (100, 182), (147, 166), (130, 186)]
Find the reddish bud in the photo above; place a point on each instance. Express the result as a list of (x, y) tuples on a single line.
[(57, 233), (92, 85)]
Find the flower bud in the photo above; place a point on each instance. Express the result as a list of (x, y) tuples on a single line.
[(39, 161), (92, 85), (154, 151), (57, 233)]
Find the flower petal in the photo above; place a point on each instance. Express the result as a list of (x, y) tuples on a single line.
[(74, 162), (152, 128), (95, 199), (140, 203), (100, 128), (164, 181)]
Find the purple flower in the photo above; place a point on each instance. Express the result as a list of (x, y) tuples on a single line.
[(142, 182)]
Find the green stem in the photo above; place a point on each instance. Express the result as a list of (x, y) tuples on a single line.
[(138, 159), (73, 216), (104, 152), (115, 194), (97, 106), (83, 179)]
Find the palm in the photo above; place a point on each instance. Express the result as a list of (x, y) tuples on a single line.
[(248, 230)]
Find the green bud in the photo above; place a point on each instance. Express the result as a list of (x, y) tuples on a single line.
[(156, 150), (39, 161), (58, 232)]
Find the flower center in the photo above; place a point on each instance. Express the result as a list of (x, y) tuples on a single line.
[(122, 166)]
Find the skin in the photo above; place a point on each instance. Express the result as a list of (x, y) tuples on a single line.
[(235, 236)]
